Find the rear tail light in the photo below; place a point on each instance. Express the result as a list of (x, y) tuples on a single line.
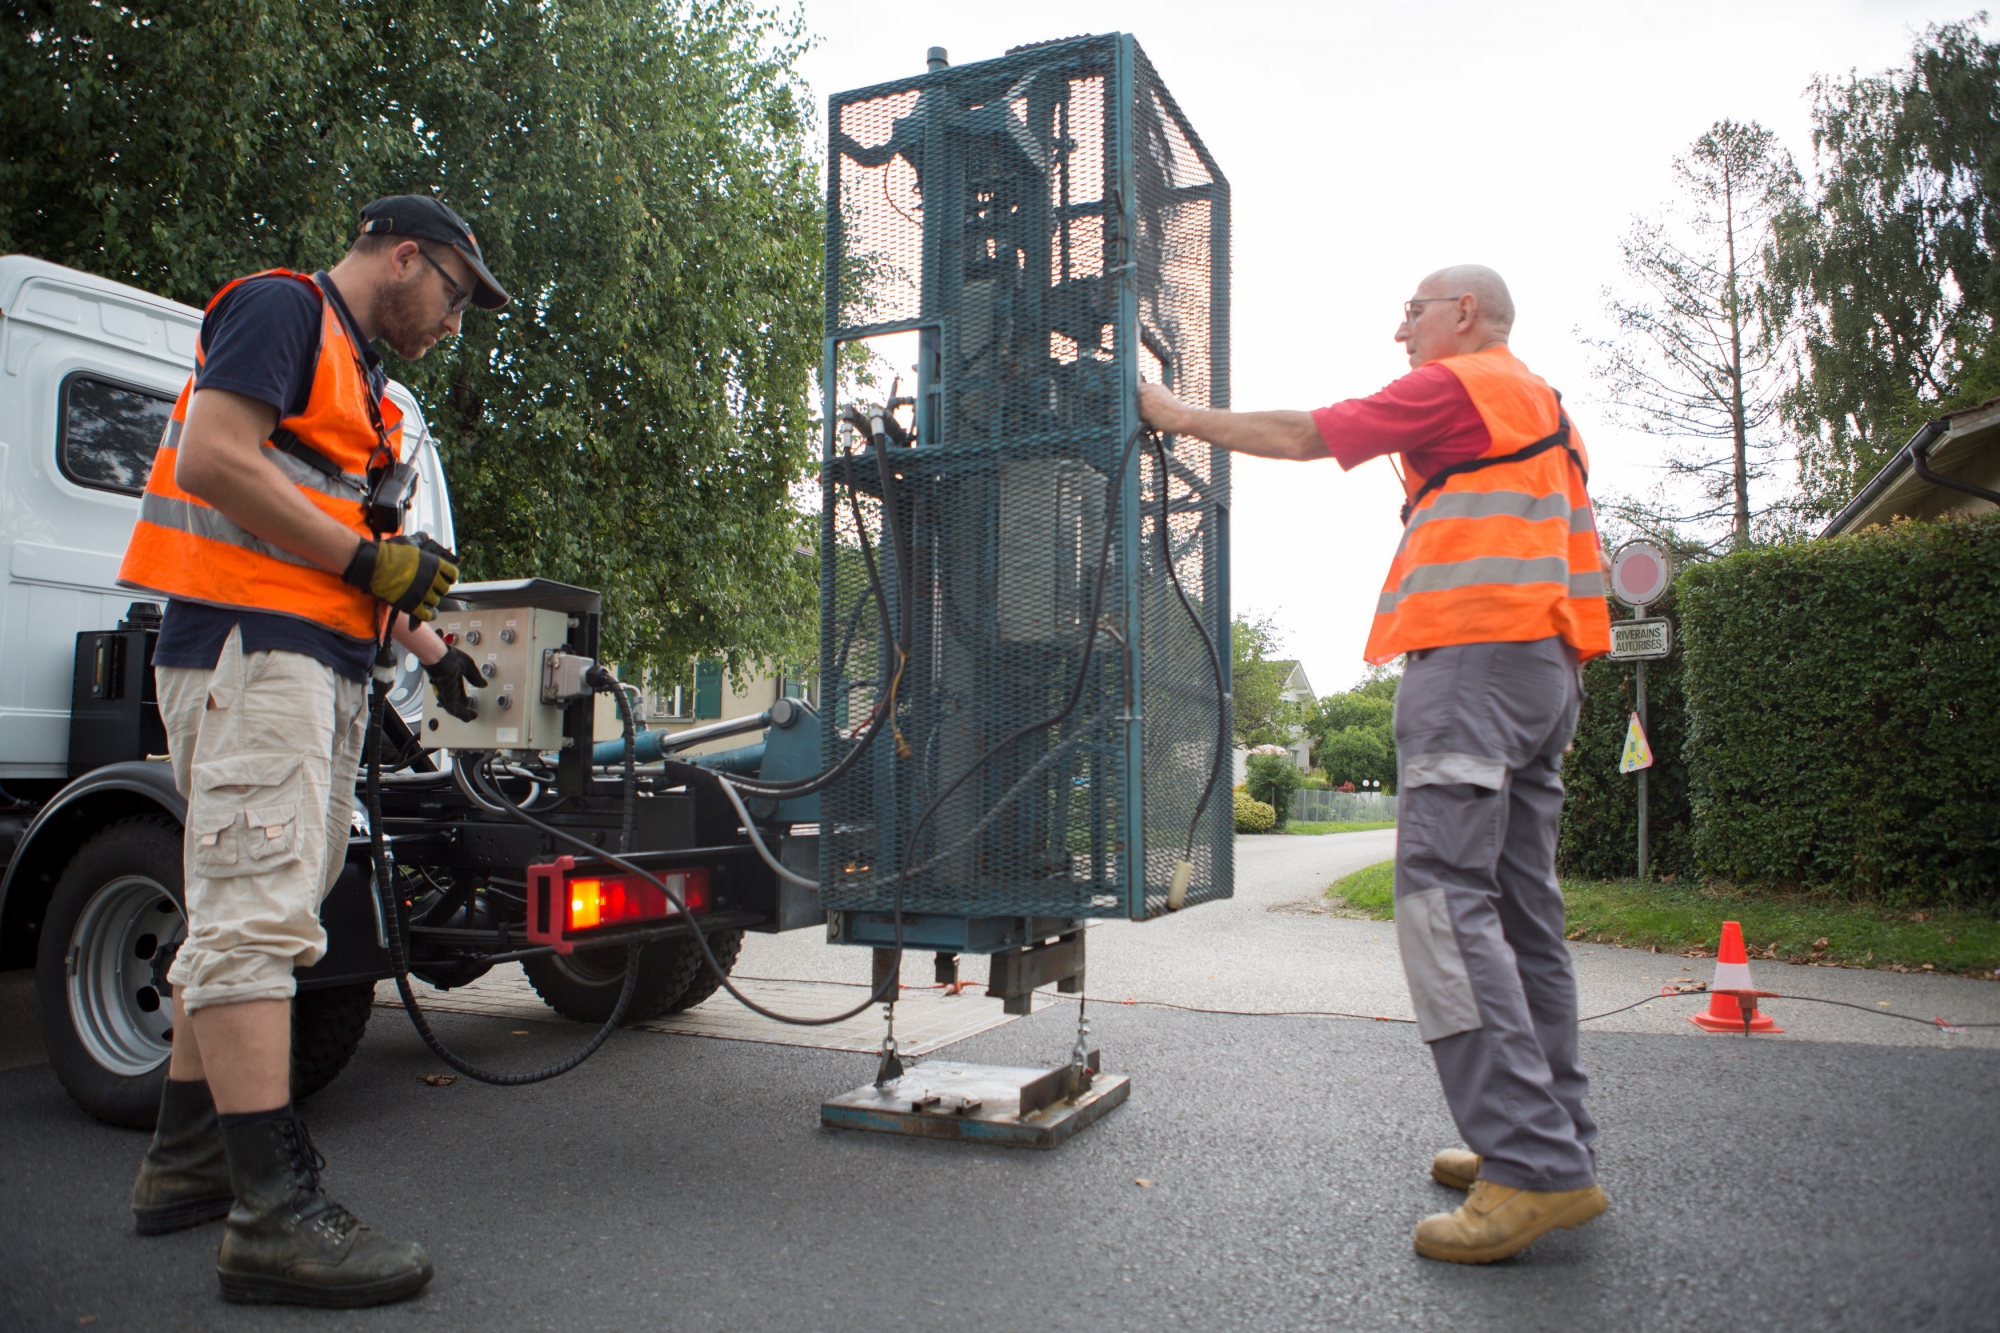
[(563, 903)]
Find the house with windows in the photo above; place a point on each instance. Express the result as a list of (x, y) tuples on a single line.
[(707, 695), (1295, 689)]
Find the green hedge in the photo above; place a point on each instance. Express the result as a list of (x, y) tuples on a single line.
[(1842, 698), (1600, 824), (1252, 815)]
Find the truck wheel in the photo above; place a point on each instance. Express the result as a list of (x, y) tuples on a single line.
[(584, 985), (106, 1019), (326, 1027), (726, 944)]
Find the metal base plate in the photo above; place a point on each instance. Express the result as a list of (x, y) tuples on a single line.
[(941, 1099)]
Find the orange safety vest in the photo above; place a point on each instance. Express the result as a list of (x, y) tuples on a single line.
[(182, 547), (1501, 548)]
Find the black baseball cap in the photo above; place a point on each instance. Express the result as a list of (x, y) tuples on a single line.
[(422, 218)]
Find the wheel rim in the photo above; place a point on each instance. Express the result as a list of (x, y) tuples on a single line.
[(123, 1020)]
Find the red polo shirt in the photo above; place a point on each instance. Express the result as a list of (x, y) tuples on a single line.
[(1426, 416)]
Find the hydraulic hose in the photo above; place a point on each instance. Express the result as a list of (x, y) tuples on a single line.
[(680, 907), (1076, 691), (885, 704), (1207, 641), (392, 920)]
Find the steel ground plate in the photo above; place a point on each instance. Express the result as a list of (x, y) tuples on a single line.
[(942, 1099)]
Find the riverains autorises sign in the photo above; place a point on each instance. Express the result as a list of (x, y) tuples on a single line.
[(1641, 640)]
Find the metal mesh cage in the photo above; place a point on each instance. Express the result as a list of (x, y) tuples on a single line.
[(1011, 246)]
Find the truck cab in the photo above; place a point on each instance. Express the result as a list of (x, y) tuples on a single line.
[(89, 370)]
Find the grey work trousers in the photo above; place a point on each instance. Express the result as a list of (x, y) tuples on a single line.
[(1480, 734)]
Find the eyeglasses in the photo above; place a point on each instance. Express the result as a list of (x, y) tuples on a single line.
[(1411, 309), (459, 296)]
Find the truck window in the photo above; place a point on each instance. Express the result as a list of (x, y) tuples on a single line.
[(106, 433)]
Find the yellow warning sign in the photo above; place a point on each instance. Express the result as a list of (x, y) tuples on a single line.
[(1637, 754)]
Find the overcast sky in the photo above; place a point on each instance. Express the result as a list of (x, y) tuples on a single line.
[(1369, 144)]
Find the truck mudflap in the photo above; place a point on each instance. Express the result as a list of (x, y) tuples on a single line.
[(354, 950)]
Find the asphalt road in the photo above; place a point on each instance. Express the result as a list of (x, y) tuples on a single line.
[(1841, 1177)]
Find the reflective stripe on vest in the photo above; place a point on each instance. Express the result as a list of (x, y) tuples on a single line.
[(184, 548), (1502, 548)]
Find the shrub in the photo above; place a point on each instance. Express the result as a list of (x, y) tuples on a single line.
[(1600, 823), (1841, 697), (1252, 815), (1273, 779)]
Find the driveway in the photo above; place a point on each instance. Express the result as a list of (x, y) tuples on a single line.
[(1264, 1175)]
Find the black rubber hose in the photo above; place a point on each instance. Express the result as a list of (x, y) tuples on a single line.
[(1207, 641), (680, 906), (828, 776), (392, 926), (1076, 691)]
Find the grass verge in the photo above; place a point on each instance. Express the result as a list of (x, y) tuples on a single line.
[(1688, 922), (1301, 826), (1369, 891)]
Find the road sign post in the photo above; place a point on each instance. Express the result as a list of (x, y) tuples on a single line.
[(1640, 573), (1639, 687)]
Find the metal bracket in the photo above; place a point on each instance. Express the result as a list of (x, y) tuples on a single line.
[(1018, 973)]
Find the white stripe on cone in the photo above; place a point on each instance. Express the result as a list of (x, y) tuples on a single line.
[(1732, 976)]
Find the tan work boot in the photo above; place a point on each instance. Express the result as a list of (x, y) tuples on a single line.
[(1497, 1221), (1455, 1167)]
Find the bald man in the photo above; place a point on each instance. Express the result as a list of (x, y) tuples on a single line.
[(1494, 599)]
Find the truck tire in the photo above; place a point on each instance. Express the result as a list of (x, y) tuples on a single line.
[(326, 1028), (584, 986), (106, 1023), (115, 919), (725, 944)]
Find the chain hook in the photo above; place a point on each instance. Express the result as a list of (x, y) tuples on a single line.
[(1079, 1055), (891, 1067)]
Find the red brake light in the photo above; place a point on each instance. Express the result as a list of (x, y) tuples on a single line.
[(612, 900)]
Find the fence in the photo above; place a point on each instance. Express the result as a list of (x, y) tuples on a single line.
[(1343, 807)]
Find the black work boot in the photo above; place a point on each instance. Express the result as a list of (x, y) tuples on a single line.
[(288, 1244), (184, 1180)]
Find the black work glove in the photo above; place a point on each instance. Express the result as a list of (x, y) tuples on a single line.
[(450, 675), (411, 577)]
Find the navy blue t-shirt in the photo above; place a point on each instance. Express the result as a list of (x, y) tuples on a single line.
[(262, 341)]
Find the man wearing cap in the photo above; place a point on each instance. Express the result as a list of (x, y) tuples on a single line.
[(1494, 598), (280, 578)]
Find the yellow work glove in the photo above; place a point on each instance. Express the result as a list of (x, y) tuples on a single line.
[(409, 577)]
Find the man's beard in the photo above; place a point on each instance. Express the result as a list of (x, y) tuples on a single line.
[(400, 321)]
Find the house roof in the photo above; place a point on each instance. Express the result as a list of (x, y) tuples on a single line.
[(1963, 446), (1294, 681)]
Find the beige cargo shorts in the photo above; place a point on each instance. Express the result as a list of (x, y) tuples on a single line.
[(265, 749)]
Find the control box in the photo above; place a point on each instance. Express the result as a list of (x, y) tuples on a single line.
[(512, 645)]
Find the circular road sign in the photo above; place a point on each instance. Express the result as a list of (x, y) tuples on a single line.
[(1640, 573)]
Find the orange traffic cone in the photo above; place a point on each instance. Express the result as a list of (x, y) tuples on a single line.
[(1731, 987)]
